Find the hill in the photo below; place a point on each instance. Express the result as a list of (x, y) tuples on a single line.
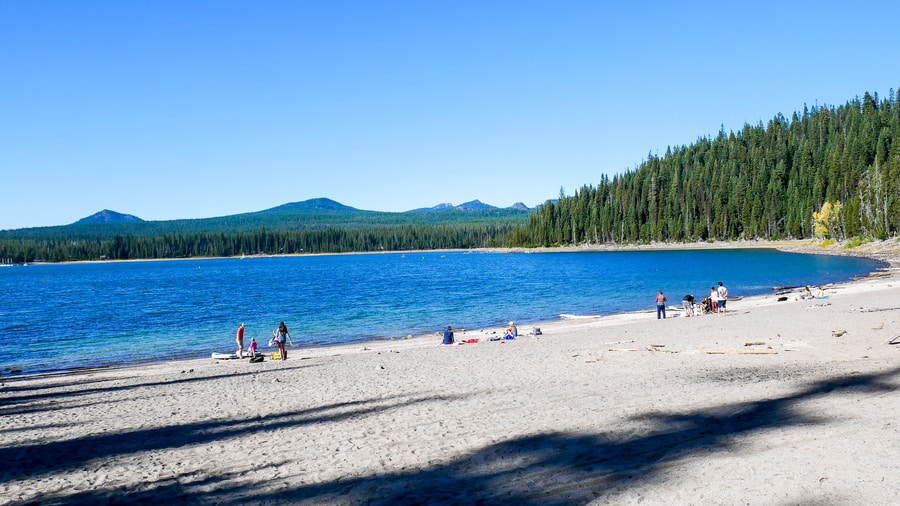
[(107, 216), (828, 172), (312, 226)]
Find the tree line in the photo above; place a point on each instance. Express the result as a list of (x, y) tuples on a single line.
[(826, 172), (62, 247)]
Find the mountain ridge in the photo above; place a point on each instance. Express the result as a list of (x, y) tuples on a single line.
[(319, 205)]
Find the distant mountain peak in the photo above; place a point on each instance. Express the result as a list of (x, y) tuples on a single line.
[(318, 205), (474, 205), (107, 216)]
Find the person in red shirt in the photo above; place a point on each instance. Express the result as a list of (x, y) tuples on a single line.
[(240, 341), (661, 305)]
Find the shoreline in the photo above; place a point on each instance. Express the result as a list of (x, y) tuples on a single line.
[(885, 251), (773, 403)]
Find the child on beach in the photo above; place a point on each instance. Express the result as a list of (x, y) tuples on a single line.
[(252, 348)]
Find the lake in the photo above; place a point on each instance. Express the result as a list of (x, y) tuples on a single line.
[(60, 317)]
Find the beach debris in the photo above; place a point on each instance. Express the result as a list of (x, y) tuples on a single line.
[(782, 288), (657, 346), (755, 343), (275, 380), (782, 299), (767, 351), (624, 349), (619, 342), (879, 327), (894, 340), (838, 333)]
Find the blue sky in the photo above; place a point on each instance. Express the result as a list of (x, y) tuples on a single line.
[(191, 109)]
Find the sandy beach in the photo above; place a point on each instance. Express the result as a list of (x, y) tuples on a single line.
[(791, 402)]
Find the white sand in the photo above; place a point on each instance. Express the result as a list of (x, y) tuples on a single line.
[(589, 412)]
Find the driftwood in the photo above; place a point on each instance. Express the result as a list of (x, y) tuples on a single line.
[(838, 333), (767, 351), (624, 349), (755, 343), (619, 342), (894, 340)]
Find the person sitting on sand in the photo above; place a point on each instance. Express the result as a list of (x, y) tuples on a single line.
[(448, 335), (252, 347), (511, 331)]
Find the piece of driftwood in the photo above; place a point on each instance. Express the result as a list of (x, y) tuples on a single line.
[(838, 333), (894, 340), (620, 342), (755, 343), (624, 349), (660, 350), (767, 351), (657, 346)]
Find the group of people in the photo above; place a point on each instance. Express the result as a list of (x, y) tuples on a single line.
[(714, 303), (511, 332), (279, 338)]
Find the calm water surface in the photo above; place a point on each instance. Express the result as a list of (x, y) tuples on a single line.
[(58, 317)]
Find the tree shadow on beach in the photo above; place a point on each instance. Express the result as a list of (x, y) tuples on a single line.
[(556, 469), (45, 397), (30, 460), (561, 469)]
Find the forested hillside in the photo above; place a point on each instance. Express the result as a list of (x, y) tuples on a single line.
[(828, 172), (315, 226)]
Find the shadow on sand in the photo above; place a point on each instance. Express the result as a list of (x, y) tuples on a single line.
[(555, 469)]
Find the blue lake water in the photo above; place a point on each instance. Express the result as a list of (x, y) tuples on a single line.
[(59, 317)]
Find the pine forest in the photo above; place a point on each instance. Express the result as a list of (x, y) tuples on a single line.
[(829, 172)]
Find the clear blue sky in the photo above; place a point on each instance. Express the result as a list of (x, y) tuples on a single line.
[(191, 109)]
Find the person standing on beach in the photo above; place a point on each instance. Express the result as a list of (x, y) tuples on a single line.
[(714, 300), (282, 335), (661, 305), (240, 341), (723, 297)]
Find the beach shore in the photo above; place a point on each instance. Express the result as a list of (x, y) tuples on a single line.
[(790, 402)]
